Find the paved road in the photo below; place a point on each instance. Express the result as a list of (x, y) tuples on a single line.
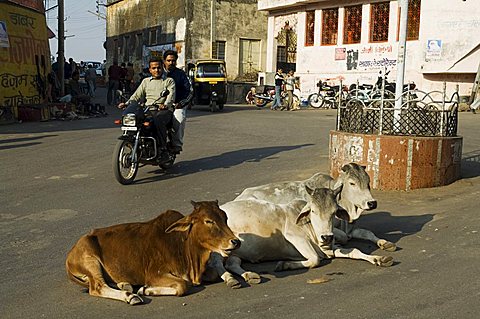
[(57, 184)]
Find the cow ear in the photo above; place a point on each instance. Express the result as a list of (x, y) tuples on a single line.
[(342, 214), (182, 225), (309, 190), (304, 215), (346, 168)]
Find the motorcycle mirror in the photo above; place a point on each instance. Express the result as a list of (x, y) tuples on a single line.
[(164, 93)]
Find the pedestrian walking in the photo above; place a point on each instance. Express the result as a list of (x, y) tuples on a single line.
[(114, 74), (279, 81)]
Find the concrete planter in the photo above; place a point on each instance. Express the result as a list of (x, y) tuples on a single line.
[(399, 162)]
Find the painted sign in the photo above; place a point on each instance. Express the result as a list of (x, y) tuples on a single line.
[(373, 57), (24, 63)]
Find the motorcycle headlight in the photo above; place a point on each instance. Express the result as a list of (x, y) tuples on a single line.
[(129, 120)]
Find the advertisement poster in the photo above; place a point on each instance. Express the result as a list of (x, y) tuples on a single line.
[(340, 54), (434, 50)]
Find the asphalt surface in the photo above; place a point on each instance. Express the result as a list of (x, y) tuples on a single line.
[(57, 184)]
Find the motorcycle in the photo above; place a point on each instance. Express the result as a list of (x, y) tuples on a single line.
[(327, 95), (267, 95), (137, 146), (390, 87)]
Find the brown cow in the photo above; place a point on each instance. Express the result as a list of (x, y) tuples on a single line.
[(164, 255)]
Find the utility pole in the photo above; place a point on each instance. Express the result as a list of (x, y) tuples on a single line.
[(212, 26), (61, 45), (402, 48)]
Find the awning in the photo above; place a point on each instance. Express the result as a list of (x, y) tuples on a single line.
[(50, 33), (468, 63)]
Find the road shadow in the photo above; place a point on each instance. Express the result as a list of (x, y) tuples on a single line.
[(470, 165), (224, 160), (11, 143), (386, 226)]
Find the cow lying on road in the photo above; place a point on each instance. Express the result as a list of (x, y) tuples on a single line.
[(164, 255), (299, 233), (355, 197)]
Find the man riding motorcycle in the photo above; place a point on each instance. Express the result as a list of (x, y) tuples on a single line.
[(149, 91)]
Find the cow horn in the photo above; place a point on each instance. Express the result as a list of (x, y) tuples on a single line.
[(337, 190), (194, 204)]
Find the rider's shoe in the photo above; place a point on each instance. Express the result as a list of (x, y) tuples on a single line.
[(175, 149), (164, 157)]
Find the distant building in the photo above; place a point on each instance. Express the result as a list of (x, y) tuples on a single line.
[(352, 40), (24, 53), (234, 31)]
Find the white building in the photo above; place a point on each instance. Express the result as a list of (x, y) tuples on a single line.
[(354, 39)]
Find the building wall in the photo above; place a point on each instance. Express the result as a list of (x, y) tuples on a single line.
[(185, 25), (24, 57), (456, 23), (132, 24)]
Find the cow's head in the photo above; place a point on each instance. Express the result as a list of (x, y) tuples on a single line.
[(355, 196), (207, 226), (319, 211)]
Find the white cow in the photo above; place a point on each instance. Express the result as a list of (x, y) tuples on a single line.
[(299, 234), (355, 197)]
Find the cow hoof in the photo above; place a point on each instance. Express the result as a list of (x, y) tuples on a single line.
[(233, 283), (252, 278), (386, 245), (134, 299), (384, 261), (141, 291), (125, 286), (280, 266)]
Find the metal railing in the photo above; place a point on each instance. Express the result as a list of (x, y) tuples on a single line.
[(420, 114)]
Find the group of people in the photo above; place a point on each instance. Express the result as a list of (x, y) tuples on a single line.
[(288, 83), (120, 77), (164, 74)]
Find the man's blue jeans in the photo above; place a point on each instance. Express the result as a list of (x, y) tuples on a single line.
[(277, 102)]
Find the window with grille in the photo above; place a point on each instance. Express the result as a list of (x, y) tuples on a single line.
[(329, 26), (218, 50), (352, 32), (413, 28), (310, 28), (281, 53), (379, 19)]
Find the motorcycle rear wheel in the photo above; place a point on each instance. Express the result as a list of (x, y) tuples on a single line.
[(124, 169), (260, 102), (213, 106), (316, 100)]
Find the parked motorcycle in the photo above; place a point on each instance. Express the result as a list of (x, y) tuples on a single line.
[(327, 95), (138, 145), (390, 87), (266, 94)]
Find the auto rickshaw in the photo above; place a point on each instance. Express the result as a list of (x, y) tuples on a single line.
[(209, 81)]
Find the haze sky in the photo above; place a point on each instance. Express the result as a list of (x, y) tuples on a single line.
[(84, 31)]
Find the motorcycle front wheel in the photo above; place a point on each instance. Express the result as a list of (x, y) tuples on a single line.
[(315, 100), (124, 169)]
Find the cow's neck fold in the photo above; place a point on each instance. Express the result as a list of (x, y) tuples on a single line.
[(197, 259)]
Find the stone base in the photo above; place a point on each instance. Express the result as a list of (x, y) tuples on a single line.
[(398, 162)]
